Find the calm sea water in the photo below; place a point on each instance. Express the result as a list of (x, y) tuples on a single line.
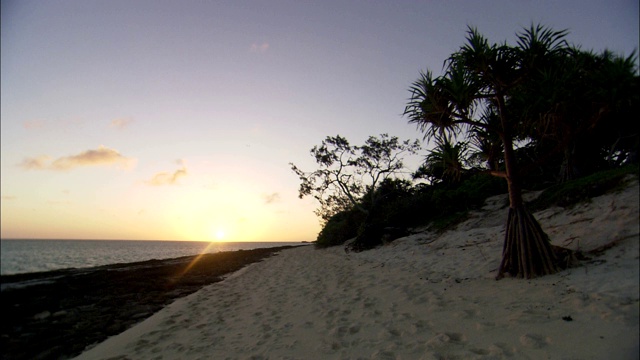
[(25, 256)]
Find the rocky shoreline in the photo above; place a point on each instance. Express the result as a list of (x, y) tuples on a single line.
[(57, 314)]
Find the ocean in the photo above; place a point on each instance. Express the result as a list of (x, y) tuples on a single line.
[(26, 256)]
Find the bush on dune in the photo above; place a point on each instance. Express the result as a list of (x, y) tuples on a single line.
[(443, 205), (404, 207), (583, 189), (534, 113), (340, 228)]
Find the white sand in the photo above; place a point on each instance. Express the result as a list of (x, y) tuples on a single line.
[(421, 297)]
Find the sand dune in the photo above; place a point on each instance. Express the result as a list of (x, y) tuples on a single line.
[(426, 296)]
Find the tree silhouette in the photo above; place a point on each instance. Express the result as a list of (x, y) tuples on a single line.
[(348, 176), (582, 108), (445, 162), (480, 78)]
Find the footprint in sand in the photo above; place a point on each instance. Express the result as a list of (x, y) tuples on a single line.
[(534, 341), (481, 326), (443, 339), (501, 350), (467, 314)]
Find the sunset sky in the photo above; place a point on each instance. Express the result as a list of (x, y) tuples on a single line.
[(176, 120)]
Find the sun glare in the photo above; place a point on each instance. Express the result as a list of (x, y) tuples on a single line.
[(219, 235)]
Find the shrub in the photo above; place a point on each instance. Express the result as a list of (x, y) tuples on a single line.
[(582, 189), (443, 204), (340, 228), (440, 205)]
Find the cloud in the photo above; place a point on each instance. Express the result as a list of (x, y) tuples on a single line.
[(121, 123), (8, 197), (36, 163), (271, 198), (259, 48), (99, 157), (33, 124), (166, 178), (58, 202)]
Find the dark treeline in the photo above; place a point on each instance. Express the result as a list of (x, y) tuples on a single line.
[(501, 118)]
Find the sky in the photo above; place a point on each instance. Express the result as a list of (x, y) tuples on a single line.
[(177, 120)]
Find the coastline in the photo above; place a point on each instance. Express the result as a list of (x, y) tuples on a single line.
[(23, 256), (57, 314), (426, 296)]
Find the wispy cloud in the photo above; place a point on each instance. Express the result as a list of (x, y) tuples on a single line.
[(259, 48), (102, 156), (121, 123), (167, 178), (59, 202), (35, 163), (271, 198), (33, 124), (8, 197)]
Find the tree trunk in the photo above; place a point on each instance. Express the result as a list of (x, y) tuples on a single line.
[(527, 251), (513, 178), (568, 169)]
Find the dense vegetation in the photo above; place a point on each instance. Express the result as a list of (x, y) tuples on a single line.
[(539, 114)]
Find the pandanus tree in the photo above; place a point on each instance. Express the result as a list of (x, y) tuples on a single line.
[(486, 147), (582, 107), (445, 162), (619, 100), (478, 79)]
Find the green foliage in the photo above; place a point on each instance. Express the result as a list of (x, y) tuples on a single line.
[(439, 205), (574, 106), (347, 174), (445, 162), (369, 235), (391, 195), (538, 112), (585, 121), (447, 221), (580, 190), (340, 228), (443, 206)]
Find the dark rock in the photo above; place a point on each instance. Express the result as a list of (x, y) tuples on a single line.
[(57, 314)]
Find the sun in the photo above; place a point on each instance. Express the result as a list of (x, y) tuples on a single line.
[(219, 235), (218, 232)]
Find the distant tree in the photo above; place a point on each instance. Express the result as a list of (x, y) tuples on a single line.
[(348, 175), (481, 78)]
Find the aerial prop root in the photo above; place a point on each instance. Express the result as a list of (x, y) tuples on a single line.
[(527, 252)]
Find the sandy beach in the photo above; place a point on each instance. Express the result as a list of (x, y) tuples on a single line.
[(57, 314), (426, 296)]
